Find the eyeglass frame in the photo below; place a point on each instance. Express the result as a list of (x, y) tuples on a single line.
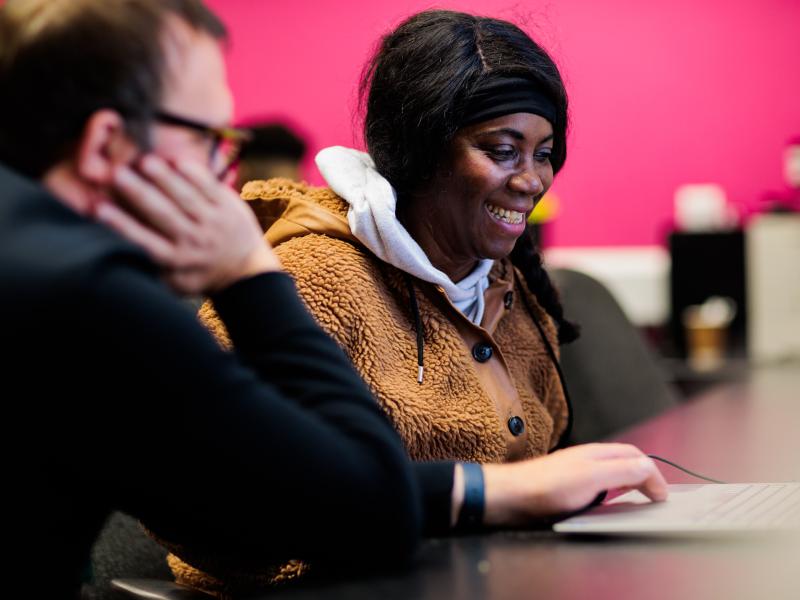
[(217, 135)]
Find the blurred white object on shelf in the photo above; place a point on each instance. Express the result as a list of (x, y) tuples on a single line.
[(703, 207), (773, 287)]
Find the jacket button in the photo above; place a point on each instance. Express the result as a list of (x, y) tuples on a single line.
[(481, 352), (516, 426)]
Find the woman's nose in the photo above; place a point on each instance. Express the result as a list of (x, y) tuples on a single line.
[(525, 182)]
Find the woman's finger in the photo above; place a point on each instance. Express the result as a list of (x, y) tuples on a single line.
[(640, 473), (602, 451), (655, 487)]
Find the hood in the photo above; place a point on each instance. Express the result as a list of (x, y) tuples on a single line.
[(359, 207), (287, 209), (373, 220)]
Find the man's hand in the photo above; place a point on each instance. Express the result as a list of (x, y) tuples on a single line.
[(197, 228)]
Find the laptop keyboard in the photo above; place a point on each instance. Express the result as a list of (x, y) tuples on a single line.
[(757, 505)]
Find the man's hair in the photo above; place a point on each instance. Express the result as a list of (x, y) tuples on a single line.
[(62, 60)]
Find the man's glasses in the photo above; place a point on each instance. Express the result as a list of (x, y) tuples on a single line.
[(226, 142)]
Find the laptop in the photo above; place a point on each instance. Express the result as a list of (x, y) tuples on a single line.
[(695, 509)]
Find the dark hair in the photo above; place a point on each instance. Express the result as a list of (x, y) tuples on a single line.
[(62, 60), (413, 93)]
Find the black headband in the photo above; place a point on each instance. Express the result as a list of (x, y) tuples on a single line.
[(503, 95)]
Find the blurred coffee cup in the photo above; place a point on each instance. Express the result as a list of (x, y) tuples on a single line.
[(706, 326)]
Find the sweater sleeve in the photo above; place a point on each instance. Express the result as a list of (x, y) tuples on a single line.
[(436, 484), (275, 451), (435, 479)]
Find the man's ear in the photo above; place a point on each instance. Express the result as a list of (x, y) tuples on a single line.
[(104, 145)]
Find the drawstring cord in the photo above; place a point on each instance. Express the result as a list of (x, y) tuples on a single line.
[(412, 294), (563, 441)]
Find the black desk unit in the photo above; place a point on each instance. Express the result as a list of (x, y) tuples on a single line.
[(705, 265), (749, 431)]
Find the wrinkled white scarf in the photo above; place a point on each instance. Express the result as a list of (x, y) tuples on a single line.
[(352, 175)]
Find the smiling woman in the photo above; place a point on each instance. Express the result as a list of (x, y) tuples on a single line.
[(416, 258)]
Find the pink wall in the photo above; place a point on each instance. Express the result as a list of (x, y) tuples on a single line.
[(663, 92)]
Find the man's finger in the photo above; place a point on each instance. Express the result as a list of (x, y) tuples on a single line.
[(186, 281), (205, 181), (175, 186), (149, 204), (159, 248)]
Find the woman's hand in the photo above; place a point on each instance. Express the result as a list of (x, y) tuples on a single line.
[(565, 481), (197, 228)]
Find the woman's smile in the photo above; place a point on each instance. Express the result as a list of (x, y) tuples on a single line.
[(509, 220)]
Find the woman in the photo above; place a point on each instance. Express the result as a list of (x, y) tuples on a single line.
[(417, 261), (438, 298)]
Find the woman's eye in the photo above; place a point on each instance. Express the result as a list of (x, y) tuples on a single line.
[(543, 156), (503, 152)]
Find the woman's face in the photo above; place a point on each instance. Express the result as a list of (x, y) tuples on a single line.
[(493, 175)]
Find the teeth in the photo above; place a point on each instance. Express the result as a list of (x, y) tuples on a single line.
[(507, 216)]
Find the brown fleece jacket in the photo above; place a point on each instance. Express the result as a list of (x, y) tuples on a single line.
[(463, 407)]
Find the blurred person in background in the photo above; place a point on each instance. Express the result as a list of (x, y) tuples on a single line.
[(273, 150)]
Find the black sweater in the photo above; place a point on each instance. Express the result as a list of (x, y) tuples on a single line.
[(116, 398)]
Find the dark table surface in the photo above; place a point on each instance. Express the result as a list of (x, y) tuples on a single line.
[(748, 431)]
